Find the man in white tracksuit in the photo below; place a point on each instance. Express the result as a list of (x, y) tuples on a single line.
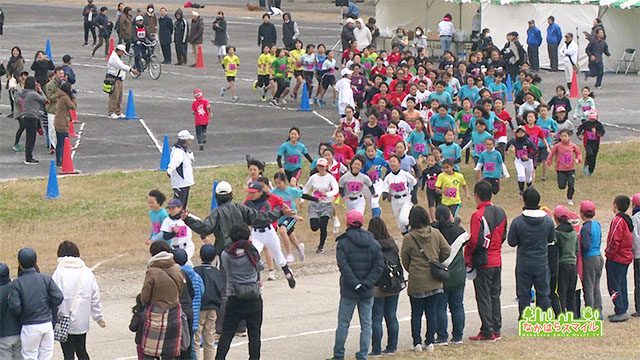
[(568, 54), (397, 188), (345, 92), (180, 168)]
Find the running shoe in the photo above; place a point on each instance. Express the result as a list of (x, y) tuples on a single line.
[(585, 170), (417, 348), (570, 202), (283, 102), (31, 162), (235, 99), (113, 116), (429, 348), (457, 341), (481, 337), (441, 343), (17, 147), (290, 258), (222, 91), (201, 147), (497, 335), (241, 334), (272, 275), (301, 251), (122, 116), (263, 98), (336, 225), (254, 86), (291, 280), (319, 250)]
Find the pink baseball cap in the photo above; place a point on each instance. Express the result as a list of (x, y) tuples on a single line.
[(197, 93), (635, 199), (560, 212), (593, 115), (355, 218), (588, 207), (561, 108), (322, 162)]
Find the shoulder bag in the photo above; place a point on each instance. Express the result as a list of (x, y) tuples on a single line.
[(61, 327), (439, 271)]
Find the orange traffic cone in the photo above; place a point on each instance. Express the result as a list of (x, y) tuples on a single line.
[(573, 92), (72, 131), (67, 161), (74, 116), (200, 58), (111, 47)]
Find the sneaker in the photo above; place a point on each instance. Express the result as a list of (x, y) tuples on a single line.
[(481, 337), (290, 258), (222, 91), (301, 251), (31, 162), (376, 354), (263, 98), (201, 147), (336, 225), (570, 202), (598, 87), (543, 178), (52, 150), (291, 280), (254, 86), (610, 316), (497, 335), (319, 250), (635, 314), (429, 348), (585, 170), (388, 352), (441, 343), (17, 148), (282, 102), (113, 116), (10, 116), (122, 116), (273, 102), (417, 348), (85, 44), (457, 342), (235, 99), (620, 318), (241, 334), (272, 275)]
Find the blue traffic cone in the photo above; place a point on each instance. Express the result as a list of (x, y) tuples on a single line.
[(53, 192), (166, 154), (47, 49), (304, 99), (131, 107), (214, 201), (509, 88)]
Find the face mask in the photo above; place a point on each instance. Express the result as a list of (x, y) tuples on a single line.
[(418, 33), (150, 10), (392, 131)]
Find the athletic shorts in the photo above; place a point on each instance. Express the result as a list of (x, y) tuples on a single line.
[(289, 223), (495, 184), (328, 80), (433, 198), (292, 174), (231, 79), (543, 154), (297, 73), (308, 76), (319, 74), (263, 80)]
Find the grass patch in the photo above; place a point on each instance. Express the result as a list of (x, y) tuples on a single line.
[(106, 213)]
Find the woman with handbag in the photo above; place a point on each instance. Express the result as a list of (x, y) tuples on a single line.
[(31, 100), (423, 250), (15, 65), (81, 301)]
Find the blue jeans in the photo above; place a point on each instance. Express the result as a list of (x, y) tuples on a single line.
[(617, 284), (345, 313), (139, 51), (596, 69), (454, 299), (384, 307), (60, 136), (445, 43), (429, 307)]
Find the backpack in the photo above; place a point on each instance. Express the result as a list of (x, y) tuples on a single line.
[(392, 280), (522, 54)]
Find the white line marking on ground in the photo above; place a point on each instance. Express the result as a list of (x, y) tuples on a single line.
[(77, 144), (620, 126), (100, 263), (153, 137), (324, 118)]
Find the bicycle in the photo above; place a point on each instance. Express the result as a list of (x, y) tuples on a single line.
[(150, 61)]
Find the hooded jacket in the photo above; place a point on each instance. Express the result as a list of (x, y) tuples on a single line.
[(239, 267), (636, 233), (222, 218), (390, 253), (488, 230), (213, 286), (435, 247), (197, 285), (290, 31), (73, 277), (180, 28), (531, 233), (33, 296), (9, 325), (360, 261), (456, 238), (362, 35), (163, 282), (62, 115), (180, 167), (125, 27), (197, 31), (567, 240), (620, 239)]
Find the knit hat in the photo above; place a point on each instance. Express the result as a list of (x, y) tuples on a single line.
[(27, 258), (531, 199), (180, 256)]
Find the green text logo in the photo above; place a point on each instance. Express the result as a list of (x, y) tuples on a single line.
[(538, 323)]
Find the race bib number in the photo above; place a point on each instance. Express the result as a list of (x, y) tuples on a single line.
[(293, 159), (419, 148), (288, 203), (591, 135), (567, 159), (480, 147), (495, 95), (354, 186), (431, 184), (398, 187), (466, 118), (232, 67), (546, 132), (490, 166), (182, 231), (155, 227), (522, 153), (318, 195), (282, 67), (339, 158), (533, 139), (499, 126), (367, 65), (373, 175), (441, 129), (141, 34), (586, 108), (450, 192)]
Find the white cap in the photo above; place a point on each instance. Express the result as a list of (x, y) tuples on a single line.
[(350, 21), (139, 17), (195, 13), (322, 162), (185, 135), (122, 48), (223, 188), (345, 71)]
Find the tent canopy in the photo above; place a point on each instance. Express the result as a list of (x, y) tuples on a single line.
[(619, 4)]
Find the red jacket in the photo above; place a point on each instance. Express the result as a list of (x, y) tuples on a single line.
[(620, 240), (488, 232)]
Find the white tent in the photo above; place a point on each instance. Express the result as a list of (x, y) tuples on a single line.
[(621, 19)]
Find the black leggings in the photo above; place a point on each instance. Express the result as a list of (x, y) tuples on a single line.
[(21, 129), (591, 149), (308, 78), (566, 180), (76, 345), (282, 86), (89, 27), (320, 224)]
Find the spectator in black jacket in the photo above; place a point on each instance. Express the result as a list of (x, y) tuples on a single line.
[(41, 66), (164, 33), (104, 31), (33, 298), (267, 34), (290, 31), (89, 13), (360, 261), (180, 37), (9, 325), (532, 232), (346, 36), (211, 300)]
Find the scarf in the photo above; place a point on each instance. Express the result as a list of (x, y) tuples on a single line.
[(248, 248)]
